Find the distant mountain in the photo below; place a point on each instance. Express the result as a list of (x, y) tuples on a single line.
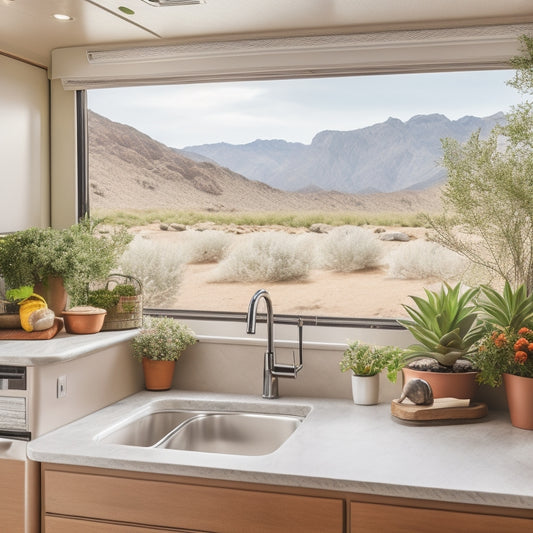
[(130, 170), (389, 156)]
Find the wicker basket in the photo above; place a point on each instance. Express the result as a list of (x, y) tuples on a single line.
[(128, 313)]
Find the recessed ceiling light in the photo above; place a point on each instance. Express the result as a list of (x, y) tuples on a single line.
[(61, 16)]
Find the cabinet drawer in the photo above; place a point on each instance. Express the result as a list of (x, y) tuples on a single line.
[(196, 507), (54, 524), (377, 518)]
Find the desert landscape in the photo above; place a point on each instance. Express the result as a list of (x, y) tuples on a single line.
[(366, 293)]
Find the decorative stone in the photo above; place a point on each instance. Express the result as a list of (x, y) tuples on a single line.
[(425, 364), (319, 228), (178, 227), (395, 236), (163, 227), (462, 365)]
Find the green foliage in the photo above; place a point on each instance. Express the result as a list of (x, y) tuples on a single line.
[(445, 324), (488, 199), (21, 293), (162, 339), (303, 219), (504, 352), (508, 311), (366, 360), (107, 299)]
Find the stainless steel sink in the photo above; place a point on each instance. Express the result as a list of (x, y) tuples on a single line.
[(239, 433)]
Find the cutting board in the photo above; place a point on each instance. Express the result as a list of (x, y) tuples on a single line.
[(21, 335), (442, 409)]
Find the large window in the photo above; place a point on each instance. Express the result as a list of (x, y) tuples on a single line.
[(309, 187)]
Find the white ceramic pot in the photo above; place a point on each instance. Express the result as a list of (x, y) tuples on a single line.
[(365, 389)]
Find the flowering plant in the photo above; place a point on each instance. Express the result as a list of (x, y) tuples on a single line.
[(505, 352), (162, 339)]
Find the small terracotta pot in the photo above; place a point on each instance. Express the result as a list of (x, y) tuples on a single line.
[(445, 384), (519, 392), (53, 291), (158, 375), (84, 320)]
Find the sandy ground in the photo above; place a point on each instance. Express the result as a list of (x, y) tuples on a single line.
[(365, 293)]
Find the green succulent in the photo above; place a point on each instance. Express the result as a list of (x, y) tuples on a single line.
[(510, 310), (445, 324)]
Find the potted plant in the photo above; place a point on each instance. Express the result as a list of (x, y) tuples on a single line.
[(447, 326), (159, 344), (505, 352), (72, 257), (121, 297), (366, 362)]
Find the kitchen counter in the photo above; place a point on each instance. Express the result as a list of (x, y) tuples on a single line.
[(339, 446), (63, 347)]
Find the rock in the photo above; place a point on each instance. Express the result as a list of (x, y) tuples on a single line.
[(319, 228), (163, 227), (425, 364), (462, 365), (178, 227), (394, 236), (380, 230)]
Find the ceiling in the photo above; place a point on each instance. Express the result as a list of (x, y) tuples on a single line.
[(28, 30)]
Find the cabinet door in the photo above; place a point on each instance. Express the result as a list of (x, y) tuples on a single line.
[(190, 507), (12, 474), (377, 518), (54, 524)]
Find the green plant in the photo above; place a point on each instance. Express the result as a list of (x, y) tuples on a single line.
[(507, 346), (78, 255), (162, 339), (504, 352), (109, 298), (488, 198), (445, 324), (508, 311), (366, 360)]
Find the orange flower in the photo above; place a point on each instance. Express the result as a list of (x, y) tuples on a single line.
[(530, 347), (500, 340), (520, 357), (521, 344), (524, 331)]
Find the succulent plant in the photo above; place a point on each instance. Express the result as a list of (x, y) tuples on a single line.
[(445, 324)]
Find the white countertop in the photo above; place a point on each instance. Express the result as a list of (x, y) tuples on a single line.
[(63, 347), (339, 446)]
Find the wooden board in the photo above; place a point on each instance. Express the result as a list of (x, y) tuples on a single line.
[(442, 409), (21, 335)]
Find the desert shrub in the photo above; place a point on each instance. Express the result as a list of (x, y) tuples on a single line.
[(423, 259), (208, 246), (350, 248), (267, 257), (158, 266)]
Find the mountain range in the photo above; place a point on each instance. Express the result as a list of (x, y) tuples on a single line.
[(385, 157), (130, 170)]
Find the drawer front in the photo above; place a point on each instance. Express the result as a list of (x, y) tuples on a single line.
[(54, 524), (377, 518), (175, 505)]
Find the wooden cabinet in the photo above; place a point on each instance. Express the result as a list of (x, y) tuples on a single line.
[(92, 500), (167, 502), (377, 518), (12, 474)]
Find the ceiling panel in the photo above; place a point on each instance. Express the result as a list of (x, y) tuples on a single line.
[(27, 29)]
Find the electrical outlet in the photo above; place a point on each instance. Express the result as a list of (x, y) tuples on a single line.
[(61, 386)]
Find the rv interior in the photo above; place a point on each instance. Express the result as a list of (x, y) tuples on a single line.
[(69, 457)]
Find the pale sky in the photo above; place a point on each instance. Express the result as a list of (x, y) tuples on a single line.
[(296, 110)]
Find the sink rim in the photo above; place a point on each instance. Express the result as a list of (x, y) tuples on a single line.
[(295, 414)]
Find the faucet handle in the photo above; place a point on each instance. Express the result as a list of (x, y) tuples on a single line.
[(287, 371)]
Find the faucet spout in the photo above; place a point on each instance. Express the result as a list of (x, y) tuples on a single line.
[(271, 370)]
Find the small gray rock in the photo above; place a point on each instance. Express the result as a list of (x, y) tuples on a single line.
[(178, 227), (424, 364), (163, 227), (319, 228), (395, 236)]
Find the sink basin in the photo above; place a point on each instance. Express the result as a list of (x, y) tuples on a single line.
[(239, 433)]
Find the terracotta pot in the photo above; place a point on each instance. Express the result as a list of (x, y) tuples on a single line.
[(365, 389), (519, 392), (446, 384), (84, 320), (158, 374), (53, 291)]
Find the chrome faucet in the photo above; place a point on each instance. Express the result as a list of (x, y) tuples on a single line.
[(272, 370)]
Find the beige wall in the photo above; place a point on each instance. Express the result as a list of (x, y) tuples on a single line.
[(24, 145)]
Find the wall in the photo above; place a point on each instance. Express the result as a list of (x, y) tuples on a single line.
[(24, 145)]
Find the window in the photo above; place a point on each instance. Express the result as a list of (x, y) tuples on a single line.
[(307, 187)]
